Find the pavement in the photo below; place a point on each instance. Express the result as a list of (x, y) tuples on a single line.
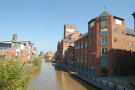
[(122, 81)]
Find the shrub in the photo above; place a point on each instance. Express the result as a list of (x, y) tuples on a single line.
[(11, 75), (14, 75), (36, 61)]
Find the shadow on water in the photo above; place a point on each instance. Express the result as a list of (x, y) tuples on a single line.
[(84, 83), (54, 78), (80, 81)]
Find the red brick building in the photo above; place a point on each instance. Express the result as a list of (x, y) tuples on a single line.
[(107, 49), (81, 54), (22, 50), (107, 35), (70, 35), (6, 51)]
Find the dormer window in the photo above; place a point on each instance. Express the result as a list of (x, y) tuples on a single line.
[(103, 19)]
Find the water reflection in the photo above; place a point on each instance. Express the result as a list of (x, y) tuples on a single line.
[(51, 79)]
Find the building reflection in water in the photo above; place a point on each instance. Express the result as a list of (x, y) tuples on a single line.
[(50, 78)]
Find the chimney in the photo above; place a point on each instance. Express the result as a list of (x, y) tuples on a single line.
[(69, 29), (14, 37), (134, 19)]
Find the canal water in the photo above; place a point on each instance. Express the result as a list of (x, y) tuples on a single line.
[(50, 78)]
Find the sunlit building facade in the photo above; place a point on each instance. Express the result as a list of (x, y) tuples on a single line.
[(107, 49)]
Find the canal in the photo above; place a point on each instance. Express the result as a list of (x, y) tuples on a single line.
[(50, 78)]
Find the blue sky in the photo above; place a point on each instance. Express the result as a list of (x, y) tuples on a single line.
[(41, 21)]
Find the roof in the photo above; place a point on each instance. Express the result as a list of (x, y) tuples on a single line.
[(68, 40), (8, 45), (69, 36), (105, 13), (130, 31), (15, 41), (83, 36)]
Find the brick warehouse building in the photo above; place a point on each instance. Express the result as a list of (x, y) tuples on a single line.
[(107, 49), (81, 54), (70, 35)]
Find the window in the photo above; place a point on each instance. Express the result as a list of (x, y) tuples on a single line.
[(94, 32), (85, 43), (131, 44), (123, 41), (81, 60), (94, 41), (104, 41), (104, 31), (115, 29), (24, 44), (123, 32), (104, 72), (78, 46), (104, 62), (82, 45), (2, 56), (104, 51), (115, 50), (115, 39), (103, 19), (85, 60)]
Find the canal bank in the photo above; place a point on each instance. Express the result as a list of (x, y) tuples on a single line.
[(51, 78), (99, 82)]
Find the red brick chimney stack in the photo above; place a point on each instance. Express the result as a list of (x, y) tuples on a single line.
[(134, 19), (69, 29)]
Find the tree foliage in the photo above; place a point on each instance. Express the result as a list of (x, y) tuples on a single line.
[(11, 75), (14, 75)]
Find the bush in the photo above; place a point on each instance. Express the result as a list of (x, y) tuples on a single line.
[(15, 75), (36, 61), (11, 75)]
